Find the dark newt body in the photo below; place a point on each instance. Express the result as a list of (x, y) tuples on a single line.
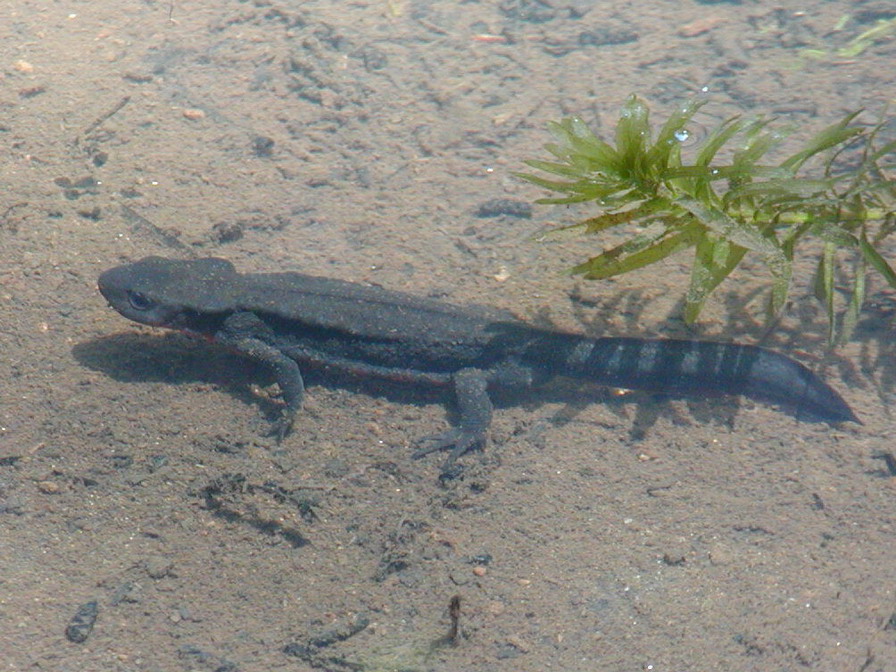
[(283, 320)]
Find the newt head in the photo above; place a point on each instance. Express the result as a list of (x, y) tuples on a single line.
[(162, 292)]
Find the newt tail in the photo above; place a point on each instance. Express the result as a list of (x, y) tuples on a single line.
[(703, 368)]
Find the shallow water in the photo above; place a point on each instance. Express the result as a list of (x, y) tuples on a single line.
[(363, 140)]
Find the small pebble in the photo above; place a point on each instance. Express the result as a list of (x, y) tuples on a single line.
[(719, 555), (227, 232), (79, 628), (505, 206), (518, 642), (262, 146), (48, 487), (700, 26), (158, 567), (193, 114), (675, 556)]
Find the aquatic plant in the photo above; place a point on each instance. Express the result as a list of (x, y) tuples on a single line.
[(881, 32), (726, 210)]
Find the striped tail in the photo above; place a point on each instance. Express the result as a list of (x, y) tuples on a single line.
[(704, 368)]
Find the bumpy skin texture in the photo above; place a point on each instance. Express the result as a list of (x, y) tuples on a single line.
[(285, 320)]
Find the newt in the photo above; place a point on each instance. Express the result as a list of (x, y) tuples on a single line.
[(286, 321)]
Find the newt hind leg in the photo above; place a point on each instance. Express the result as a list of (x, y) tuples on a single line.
[(475, 406), (471, 391)]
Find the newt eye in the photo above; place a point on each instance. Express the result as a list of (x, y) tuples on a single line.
[(140, 301)]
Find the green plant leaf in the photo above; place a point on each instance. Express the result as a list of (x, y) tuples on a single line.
[(851, 314), (551, 167), (799, 188), (825, 288), (577, 140), (714, 259), (758, 144), (632, 134), (615, 262), (718, 138), (879, 264), (666, 150), (835, 134), (742, 233)]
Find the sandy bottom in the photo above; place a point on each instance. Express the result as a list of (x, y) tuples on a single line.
[(362, 140)]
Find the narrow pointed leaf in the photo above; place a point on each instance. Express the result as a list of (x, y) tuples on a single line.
[(851, 316), (612, 262), (835, 134), (879, 264)]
